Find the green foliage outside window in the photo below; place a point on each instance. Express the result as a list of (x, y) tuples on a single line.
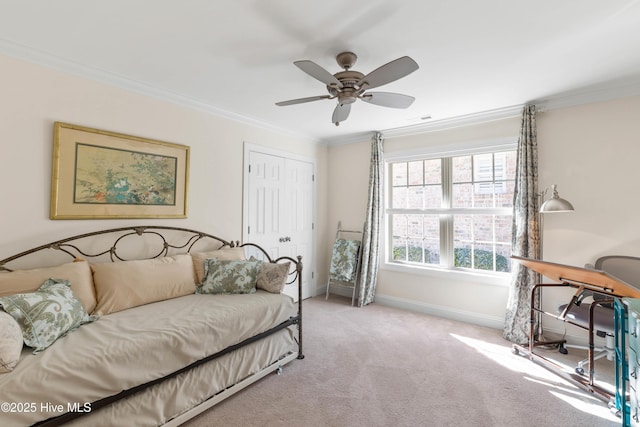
[(483, 260)]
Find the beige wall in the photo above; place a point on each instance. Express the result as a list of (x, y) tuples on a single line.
[(348, 180), (590, 151), (33, 97)]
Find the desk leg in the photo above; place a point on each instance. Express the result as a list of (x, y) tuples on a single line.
[(578, 380)]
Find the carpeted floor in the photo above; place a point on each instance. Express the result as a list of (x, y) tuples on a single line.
[(380, 366)]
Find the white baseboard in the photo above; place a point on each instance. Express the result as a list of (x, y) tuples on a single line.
[(421, 307), (445, 312), (459, 315)]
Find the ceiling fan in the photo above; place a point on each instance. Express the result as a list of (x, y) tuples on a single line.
[(350, 85)]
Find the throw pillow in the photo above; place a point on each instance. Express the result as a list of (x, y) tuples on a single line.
[(47, 314), (10, 342), (229, 277), (126, 284), (77, 272), (272, 277), (227, 254)]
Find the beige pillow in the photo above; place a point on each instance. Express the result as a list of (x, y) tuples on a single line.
[(224, 254), (126, 284), (272, 277), (10, 342), (77, 273)]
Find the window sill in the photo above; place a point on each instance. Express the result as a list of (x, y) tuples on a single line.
[(497, 279)]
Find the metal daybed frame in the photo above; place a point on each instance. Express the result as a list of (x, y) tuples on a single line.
[(162, 239)]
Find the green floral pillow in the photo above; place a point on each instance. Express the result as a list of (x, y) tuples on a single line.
[(228, 277), (47, 314)]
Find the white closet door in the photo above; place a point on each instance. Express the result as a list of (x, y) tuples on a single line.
[(279, 205)]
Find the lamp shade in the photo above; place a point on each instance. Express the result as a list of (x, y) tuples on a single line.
[(555, 203)]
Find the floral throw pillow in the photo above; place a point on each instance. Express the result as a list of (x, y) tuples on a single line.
[(272, 277), (228, 277), (47, 314)]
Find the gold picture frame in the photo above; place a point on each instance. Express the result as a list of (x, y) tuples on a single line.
[(105, 175)]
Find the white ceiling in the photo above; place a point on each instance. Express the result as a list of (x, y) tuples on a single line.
[(235, 57)]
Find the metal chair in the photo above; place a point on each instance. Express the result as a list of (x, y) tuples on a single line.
[(625, 268)]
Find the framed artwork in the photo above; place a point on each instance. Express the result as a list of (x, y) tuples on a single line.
[(103, 175)]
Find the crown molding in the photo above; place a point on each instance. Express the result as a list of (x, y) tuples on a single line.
[(620, 88), (349, 139), (448, 123), (454, 122), (47, 60), (614, 89)]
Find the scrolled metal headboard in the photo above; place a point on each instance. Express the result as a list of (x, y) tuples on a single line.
[(73, 246), (183, 240)]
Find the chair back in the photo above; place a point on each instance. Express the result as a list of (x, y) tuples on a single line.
[(625, 268)]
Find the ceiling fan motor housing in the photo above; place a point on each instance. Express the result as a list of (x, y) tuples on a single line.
[(348, 94)]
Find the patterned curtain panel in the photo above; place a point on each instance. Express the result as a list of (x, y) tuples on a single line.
[(526, 237), (371, 236)]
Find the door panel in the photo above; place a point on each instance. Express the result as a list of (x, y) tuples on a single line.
[(279, 212)]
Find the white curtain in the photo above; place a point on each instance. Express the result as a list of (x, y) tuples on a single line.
[(526, 233), (371, 236)]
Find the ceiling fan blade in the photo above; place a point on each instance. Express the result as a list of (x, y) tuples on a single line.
[(389, 72), (302, 100), (318, 73), (388, 99), (340, 113)]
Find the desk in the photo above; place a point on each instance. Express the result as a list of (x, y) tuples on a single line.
[(580, 279)]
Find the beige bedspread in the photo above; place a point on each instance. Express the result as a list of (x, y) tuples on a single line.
[(135, 346)]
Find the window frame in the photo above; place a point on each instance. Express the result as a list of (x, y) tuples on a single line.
[(447, 262)]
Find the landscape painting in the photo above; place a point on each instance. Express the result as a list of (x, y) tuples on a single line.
[(113, 176), (99, 174)]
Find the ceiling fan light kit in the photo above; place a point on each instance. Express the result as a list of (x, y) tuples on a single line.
[(349, 85)]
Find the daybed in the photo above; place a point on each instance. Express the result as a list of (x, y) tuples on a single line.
[(162, 322)]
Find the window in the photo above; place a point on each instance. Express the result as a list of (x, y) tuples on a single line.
[(452, 211)]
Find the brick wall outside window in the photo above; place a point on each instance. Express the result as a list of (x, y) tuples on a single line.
[(453, 212)]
